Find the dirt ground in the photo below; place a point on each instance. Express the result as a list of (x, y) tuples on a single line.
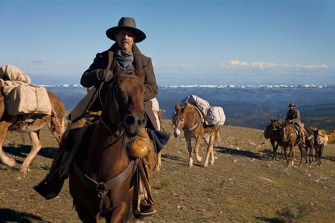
[(244, 184)]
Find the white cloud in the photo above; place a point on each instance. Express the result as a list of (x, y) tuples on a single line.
[(237, 64)]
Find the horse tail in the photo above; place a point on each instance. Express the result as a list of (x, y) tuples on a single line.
[(217, 137)]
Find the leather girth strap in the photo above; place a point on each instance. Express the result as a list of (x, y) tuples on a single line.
[(102, 188)]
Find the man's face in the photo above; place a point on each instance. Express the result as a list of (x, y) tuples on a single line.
[(292, 108), (125, 40)]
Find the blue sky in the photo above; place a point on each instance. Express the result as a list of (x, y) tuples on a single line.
[(190, 42)]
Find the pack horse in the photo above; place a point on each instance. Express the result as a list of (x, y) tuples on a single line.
[(32, 124), (26, 108), (189, 119)]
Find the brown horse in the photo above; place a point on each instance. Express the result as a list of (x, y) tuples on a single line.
[(290, 138), (189, 119), (29, 123), (273, 132), (100, 180)]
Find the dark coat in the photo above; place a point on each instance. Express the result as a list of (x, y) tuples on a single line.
[(294, 116), (143, 69)]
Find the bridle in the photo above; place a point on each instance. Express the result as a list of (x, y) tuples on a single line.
[(186, 128), (103, 188)]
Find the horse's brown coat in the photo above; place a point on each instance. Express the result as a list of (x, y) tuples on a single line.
[(290, 140), (273, 132), (189, 119), (103, 155)]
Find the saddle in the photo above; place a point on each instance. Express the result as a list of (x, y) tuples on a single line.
[(28, 123)]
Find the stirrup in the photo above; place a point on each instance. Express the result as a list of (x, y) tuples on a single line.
[(145, 210)]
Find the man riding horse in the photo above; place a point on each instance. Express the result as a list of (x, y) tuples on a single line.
[(293, 116), (123, 57)]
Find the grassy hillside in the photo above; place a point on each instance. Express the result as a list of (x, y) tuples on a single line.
[(244, 185)]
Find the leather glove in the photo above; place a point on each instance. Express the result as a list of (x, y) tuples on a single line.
[(104, 75)]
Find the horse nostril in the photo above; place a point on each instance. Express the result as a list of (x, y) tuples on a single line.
[(142, 122), (129, 120)]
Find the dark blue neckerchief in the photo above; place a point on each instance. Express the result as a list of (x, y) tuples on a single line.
[(124, 60)]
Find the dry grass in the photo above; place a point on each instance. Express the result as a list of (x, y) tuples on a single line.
[(331, 137), (244, 185)]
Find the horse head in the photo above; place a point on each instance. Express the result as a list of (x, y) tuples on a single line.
[(276, 124), (288, 133), (179, 119), (123, 104)]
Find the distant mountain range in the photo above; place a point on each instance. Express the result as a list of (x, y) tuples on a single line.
[(244, 105)]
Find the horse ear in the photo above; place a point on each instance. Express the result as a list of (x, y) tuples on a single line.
[(177, 106)]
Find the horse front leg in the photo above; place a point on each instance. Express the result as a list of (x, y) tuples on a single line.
[(9, 161), (317, 154), (210, 152), (35, 148), (282, 152), (285, 154), (274, 149), (301, 155), (159, 162), (307, 156), (196, 148), (291, 160), (320, 155), (119, 214), (190, 150), (85, 216)]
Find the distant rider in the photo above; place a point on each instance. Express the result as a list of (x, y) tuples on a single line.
[(293, 116)]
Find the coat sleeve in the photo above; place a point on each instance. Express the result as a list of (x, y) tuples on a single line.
[(90, 76), (298, 115), (151, 88)]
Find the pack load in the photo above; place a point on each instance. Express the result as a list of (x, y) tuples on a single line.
[(22, 97), (322, 137), (13, 73), (202, 104), (213, 115)]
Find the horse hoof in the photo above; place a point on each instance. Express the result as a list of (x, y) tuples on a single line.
[(9, 161), (24, 169), (157, 169)]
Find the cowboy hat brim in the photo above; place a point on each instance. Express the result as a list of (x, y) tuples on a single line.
[(138, 34)]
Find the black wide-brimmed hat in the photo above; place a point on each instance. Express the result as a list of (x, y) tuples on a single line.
[(291, 105), (129, 24)]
